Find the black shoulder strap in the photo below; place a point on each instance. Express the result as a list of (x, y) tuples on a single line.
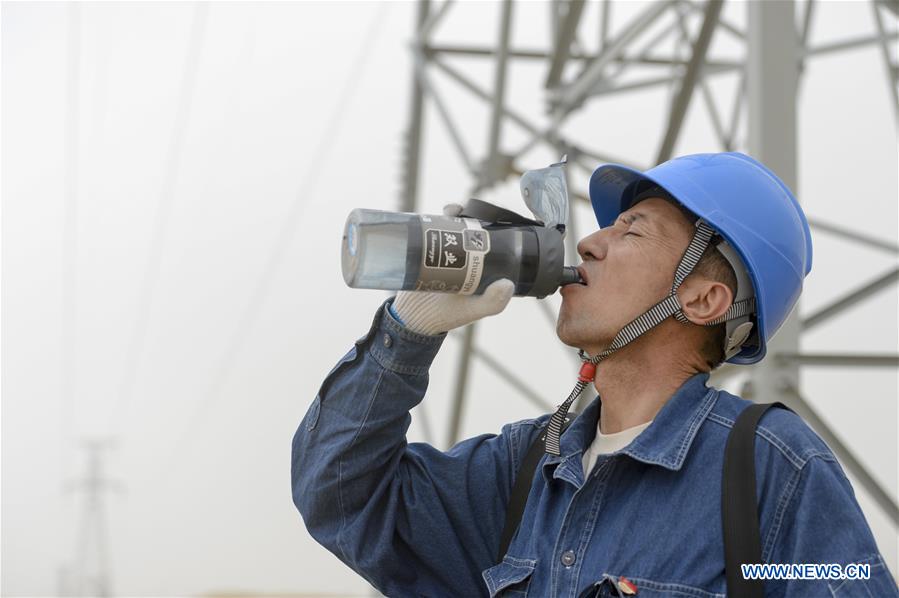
[(739, 505), (522, 488)]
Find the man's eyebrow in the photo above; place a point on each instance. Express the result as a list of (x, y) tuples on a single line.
[(635, 216), (657, 224)]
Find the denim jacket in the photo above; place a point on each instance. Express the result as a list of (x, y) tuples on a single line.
[(417, 521)]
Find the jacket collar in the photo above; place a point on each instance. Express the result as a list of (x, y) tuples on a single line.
[(665, 442)]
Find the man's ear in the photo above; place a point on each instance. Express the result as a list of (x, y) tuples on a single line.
[(703, 300)]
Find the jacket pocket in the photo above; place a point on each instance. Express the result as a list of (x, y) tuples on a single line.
[(512, 577), (623, 586)]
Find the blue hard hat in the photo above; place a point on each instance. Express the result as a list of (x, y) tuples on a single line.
[(748, 205)]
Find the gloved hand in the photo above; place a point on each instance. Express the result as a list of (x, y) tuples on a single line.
[(433, 313)]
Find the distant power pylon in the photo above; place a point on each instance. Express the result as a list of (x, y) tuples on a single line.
[(91, 574)]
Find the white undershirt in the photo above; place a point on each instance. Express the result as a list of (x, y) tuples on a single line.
[(604, 444)]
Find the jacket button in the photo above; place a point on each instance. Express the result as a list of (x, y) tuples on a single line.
[(568, 558), (387, 341)]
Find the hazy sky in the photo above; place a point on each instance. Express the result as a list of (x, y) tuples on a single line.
[(175, 184)]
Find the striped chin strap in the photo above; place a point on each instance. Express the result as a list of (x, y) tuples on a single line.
[(655, 315)]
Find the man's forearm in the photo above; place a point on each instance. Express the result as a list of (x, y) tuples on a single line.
[(348, 447)]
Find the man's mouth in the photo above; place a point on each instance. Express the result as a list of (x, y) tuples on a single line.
[(583, 273)]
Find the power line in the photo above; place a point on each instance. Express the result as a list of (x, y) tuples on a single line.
[(69, 326), (282, 242), (173, 160)]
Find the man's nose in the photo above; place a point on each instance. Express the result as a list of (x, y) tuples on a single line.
[(593, 247)]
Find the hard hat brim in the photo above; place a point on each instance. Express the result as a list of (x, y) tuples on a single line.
[(609, 185)]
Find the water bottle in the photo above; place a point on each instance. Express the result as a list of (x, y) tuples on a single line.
[(403, 251)]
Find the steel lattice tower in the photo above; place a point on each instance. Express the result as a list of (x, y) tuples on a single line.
[(92, 573), (776, 51)]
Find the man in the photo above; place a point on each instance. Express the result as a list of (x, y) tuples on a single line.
[(698, 260)]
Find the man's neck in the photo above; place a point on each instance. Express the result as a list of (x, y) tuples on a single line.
[(636, 382)]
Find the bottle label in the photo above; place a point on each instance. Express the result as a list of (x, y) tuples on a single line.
[(453, 255), (443, 249)]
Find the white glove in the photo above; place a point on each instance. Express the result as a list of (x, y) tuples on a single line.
[(433, 313)]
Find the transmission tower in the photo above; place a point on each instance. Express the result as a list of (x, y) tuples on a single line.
[(775, 50), (91, 575)]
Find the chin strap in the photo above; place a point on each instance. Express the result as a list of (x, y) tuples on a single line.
[(652, 317)]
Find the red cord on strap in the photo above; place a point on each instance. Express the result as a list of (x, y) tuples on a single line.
[(588, 372)]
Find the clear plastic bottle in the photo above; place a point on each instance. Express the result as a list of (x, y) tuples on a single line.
[(375, 246), (402, 251)]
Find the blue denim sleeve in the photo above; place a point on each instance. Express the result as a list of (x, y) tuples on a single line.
[(410, 519), (821, 522)]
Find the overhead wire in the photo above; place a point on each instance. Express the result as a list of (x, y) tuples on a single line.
[(135, 349), (68, 382), (289, 227)]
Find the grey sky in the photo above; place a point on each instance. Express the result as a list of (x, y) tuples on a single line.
[(231, 322)]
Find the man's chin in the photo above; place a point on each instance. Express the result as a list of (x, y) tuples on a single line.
[(575, 337), (570, 337), (566, 341)]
